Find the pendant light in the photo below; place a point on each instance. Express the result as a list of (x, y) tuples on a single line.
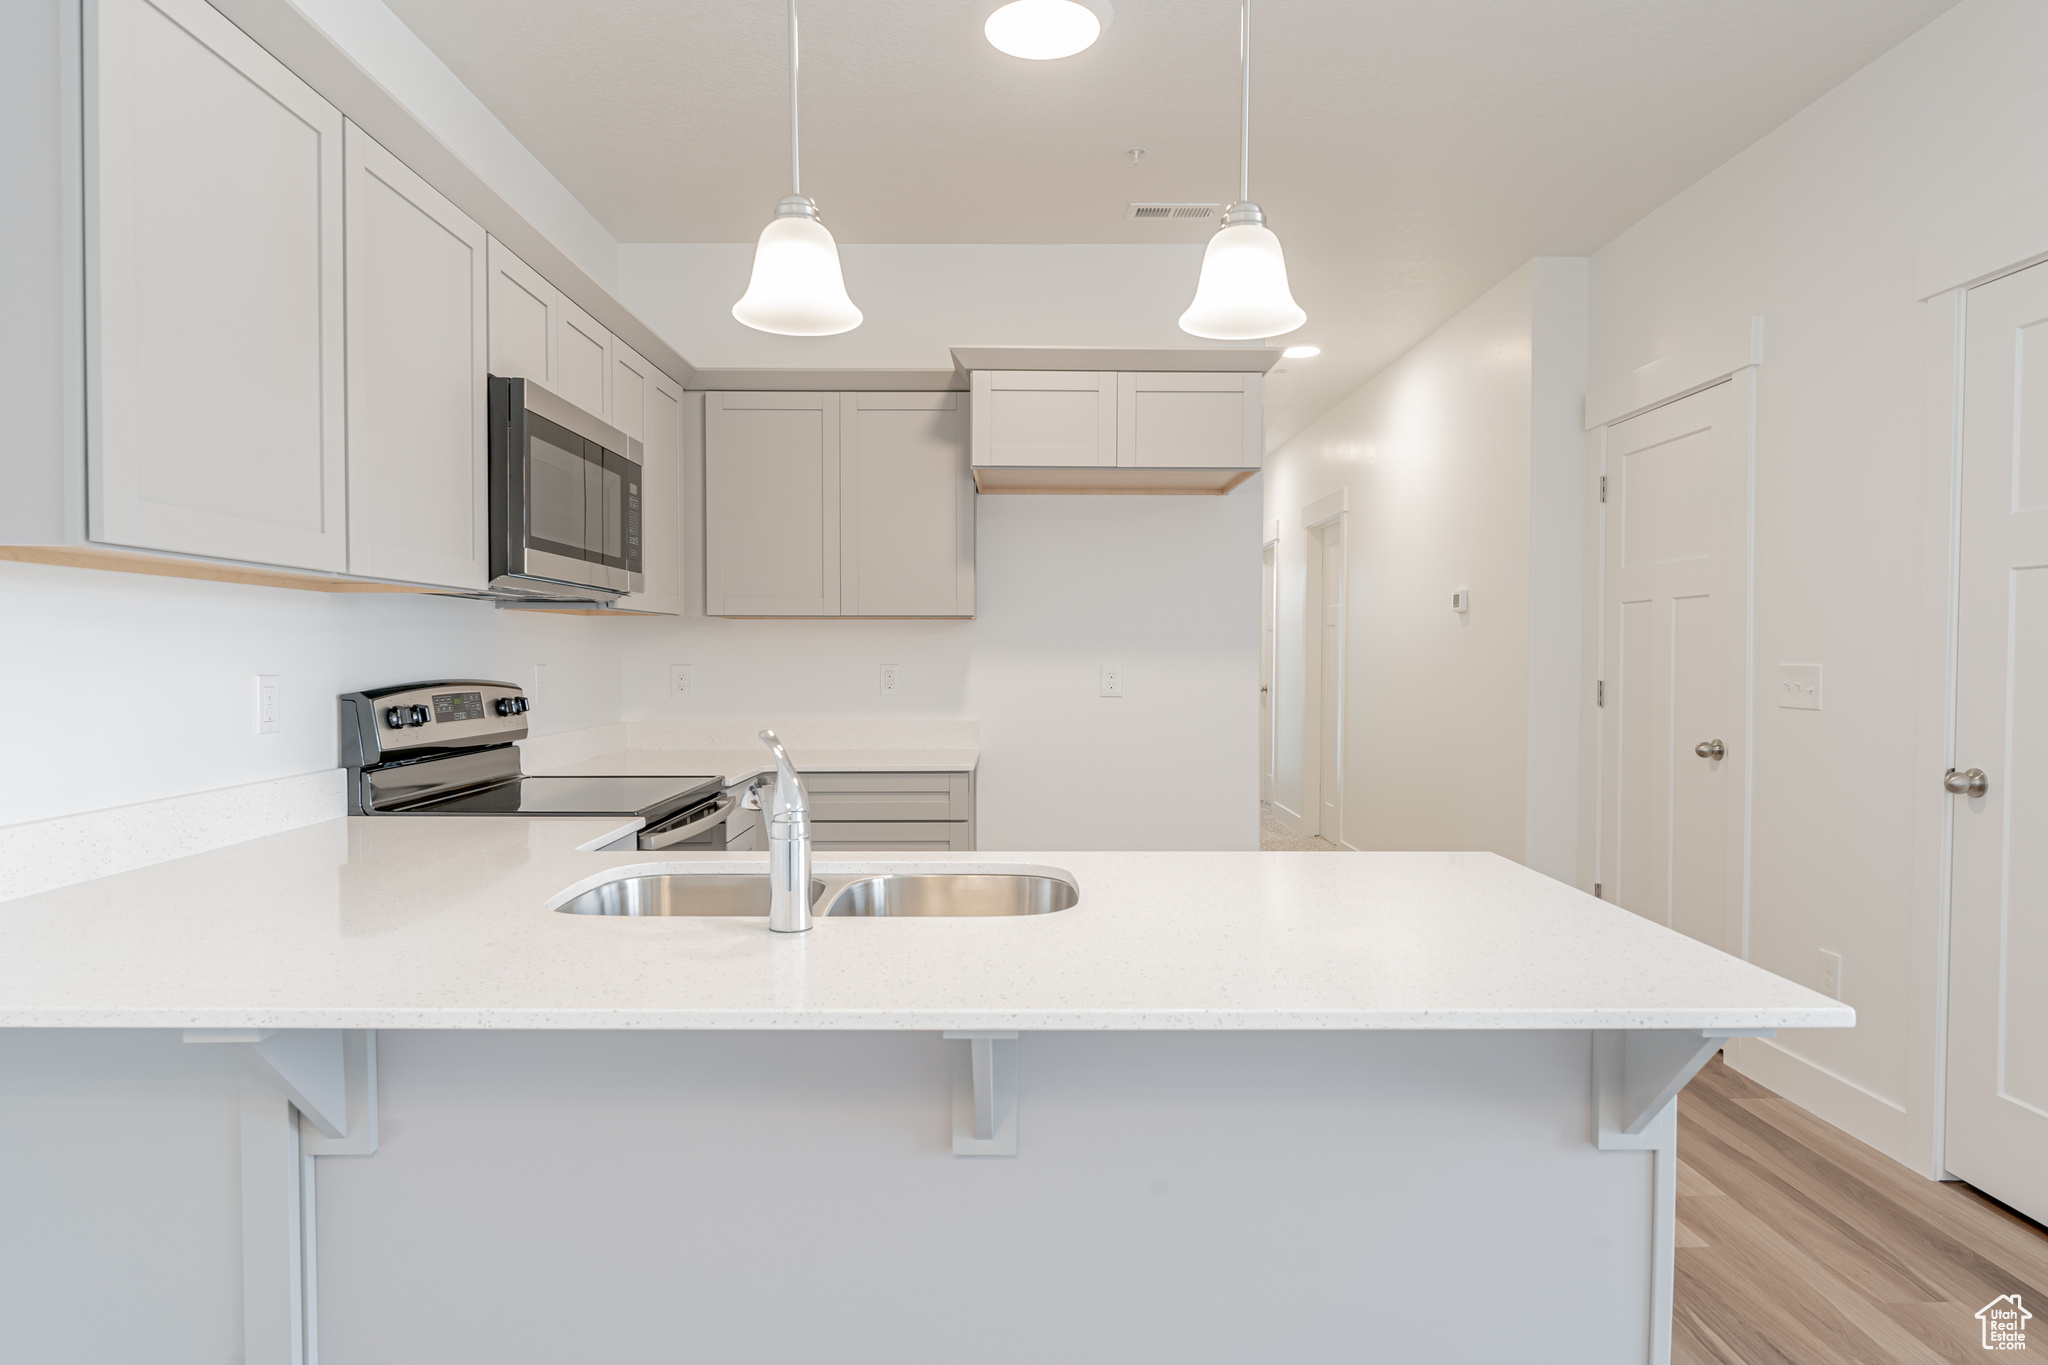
[(1045, 30), (796, 289), (1242, 294)]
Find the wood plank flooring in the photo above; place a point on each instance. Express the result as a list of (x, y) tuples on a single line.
[(1798, 1245)]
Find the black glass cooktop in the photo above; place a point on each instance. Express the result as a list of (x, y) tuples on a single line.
[(652, 797)]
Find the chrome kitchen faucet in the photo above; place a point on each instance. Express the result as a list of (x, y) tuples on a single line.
[(787, 814)]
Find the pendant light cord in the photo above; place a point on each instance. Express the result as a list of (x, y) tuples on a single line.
[(1244, 162), (796, 184)]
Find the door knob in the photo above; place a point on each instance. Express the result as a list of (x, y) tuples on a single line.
[(1970, 782), (1711, 748)]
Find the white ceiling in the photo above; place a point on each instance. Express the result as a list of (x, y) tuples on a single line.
[(1410, 153)]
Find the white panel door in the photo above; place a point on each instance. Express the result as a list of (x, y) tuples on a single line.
[(214, 292), (1998, 937), (1266, 656), (524, 312), (771, 504), (663, 503), (1670, 814), (1190, 421), (1044, 418), (1328, 545), (906, 524), (418, 422), (583, 360)]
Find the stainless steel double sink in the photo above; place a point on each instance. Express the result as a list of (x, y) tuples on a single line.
[(894, 895)]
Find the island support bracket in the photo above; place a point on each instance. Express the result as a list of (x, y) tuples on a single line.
[(1637, 1074), (985, 1094), (307, 1093)]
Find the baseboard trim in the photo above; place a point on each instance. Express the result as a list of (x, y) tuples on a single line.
[(1290, 818), (1871, 1119)]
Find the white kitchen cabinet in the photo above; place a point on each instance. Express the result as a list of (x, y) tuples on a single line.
[(649, 406), (418, 434), (525, 313), (771, 502), (906, 519), (583, 360), (1194, 420), (213, 292), (1044, 418)]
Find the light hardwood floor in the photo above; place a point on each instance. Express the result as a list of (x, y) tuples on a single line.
[(1798, 1245)]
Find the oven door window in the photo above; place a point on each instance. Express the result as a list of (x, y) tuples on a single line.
[(559, 505)]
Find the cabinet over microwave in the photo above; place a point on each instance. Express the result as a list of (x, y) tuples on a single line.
[(565, 499)]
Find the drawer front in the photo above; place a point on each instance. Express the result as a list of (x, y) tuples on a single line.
[(889, 796), (885, 836)]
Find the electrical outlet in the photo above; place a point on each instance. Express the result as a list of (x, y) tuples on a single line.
[(1831, 974), (538, 693), (892, 680), (680, 683), (269, 705), (1112, 680), (1799, 686)]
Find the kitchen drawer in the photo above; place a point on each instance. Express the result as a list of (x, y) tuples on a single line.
[(890, 796), (889, 836)]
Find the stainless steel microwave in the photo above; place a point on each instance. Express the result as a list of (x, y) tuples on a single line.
[(565, 499)]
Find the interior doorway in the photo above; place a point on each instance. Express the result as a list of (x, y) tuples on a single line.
[(1322, 738), (1268, 611), (1997, 1083), (1671, 666)]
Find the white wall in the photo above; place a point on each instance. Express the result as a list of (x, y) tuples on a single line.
[(123, 687), (1441, 455), (1818, 226)]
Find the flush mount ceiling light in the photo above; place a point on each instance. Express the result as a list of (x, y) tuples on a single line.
[(1242, 294), (796, 289), (1046, 30), (1301, 352)]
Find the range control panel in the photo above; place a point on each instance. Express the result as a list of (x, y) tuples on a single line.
[(387, 722)]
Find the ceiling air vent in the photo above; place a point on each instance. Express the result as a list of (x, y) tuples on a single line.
[(1181, 212)]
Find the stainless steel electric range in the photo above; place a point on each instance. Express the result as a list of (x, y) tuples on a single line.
[(447, 748)]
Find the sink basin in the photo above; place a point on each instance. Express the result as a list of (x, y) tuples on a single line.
[(704, 893), (963, 895)]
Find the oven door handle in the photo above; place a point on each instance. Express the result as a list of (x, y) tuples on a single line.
[(669, 837)]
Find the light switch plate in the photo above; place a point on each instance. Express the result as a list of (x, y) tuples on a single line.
[(892, 680), (538, 693), (1799, 686), (1112, 680), (681, 683), (269, 705)]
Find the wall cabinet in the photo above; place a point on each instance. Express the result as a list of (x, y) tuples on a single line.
[(906, 506), (525, 313), (583, 360), (771, 504), (837, 504), (1086, 431), (213, 293), (648, 406), (418, 438)]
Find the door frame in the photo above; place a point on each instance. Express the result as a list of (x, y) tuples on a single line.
[(2003, 241), (1332, 507), (1269, 649), (1733, 355)]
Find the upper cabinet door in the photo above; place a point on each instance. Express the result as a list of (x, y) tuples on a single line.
[(583, 361), (771, 504), (1190, 421), (906, 537), (1047, 418), (525, 311), (648, 406), (418, 439), (214, 292)]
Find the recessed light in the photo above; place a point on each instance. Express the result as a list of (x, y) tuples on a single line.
[(1301, 352), (1044, 30)]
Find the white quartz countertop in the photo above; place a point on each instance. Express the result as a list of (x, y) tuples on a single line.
[(736, 765), (394, 922)]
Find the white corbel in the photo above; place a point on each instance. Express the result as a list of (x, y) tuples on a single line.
[(985, 1094)]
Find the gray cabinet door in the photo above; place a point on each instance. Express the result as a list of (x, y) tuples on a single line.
[(1190, 421), (214, 292), (1044, 418), (418, 443), (906, 518), (771, 504)]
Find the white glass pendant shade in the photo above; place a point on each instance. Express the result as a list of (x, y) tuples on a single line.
[(1243, 294), (1042, 30), (797, 289)]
